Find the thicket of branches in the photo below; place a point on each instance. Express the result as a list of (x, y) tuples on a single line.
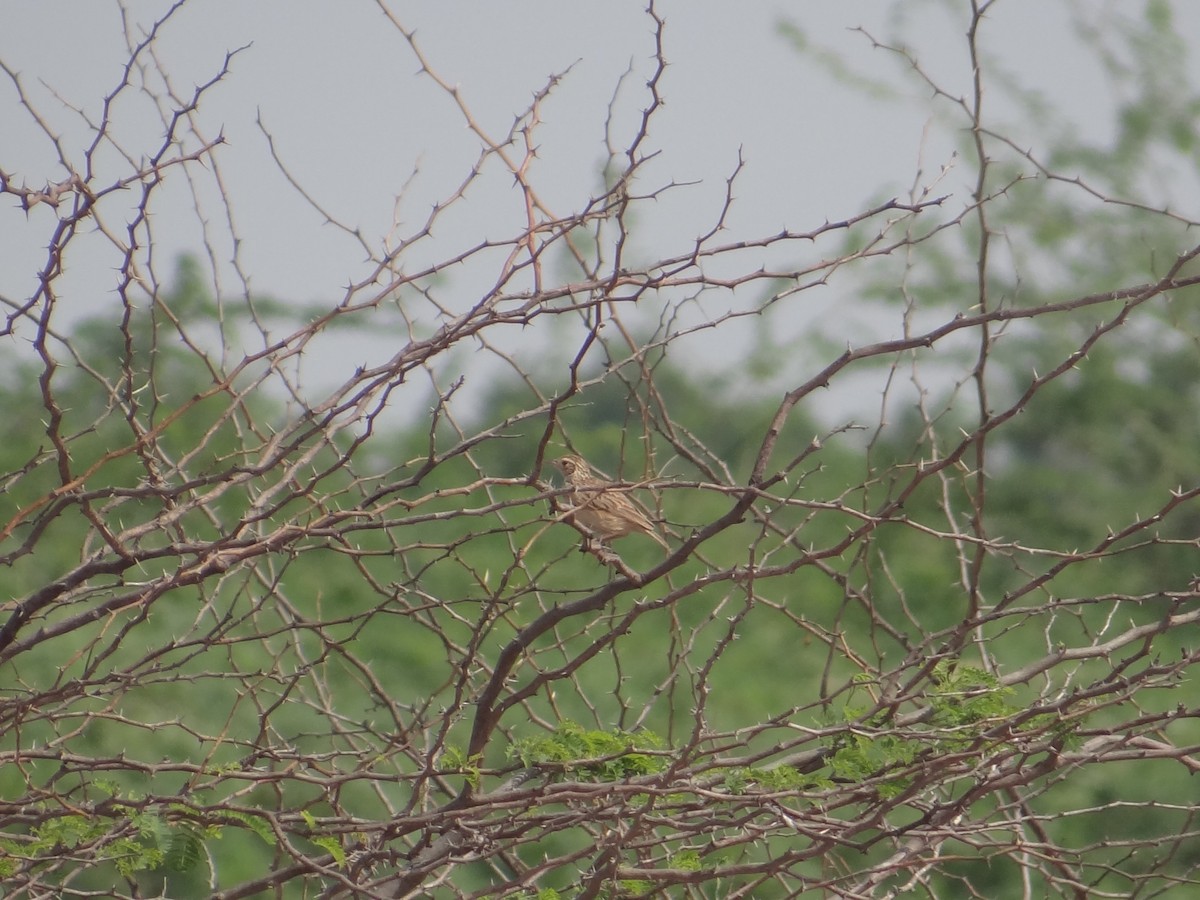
[(265, 639)]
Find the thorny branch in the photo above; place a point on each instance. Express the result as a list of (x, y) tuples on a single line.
[(349, 620)]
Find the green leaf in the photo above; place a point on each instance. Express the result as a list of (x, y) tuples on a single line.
[(184, 849), (259, 825), (332, 846)]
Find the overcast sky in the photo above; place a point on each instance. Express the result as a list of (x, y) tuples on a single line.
[(338, 89)]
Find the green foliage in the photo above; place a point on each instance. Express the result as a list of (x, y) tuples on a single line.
[(332, 846), (630, 888), (774, 779), (967, 695), (590, 755), (133, 840), (964, 701), (184, 849), (688, 860), (764, 671), (454, 760), (861, 757), (135, 836), (256, 824)]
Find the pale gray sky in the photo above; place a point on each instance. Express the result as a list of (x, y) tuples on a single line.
[(336, 85)]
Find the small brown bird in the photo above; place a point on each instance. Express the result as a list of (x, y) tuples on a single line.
[(605, 511)]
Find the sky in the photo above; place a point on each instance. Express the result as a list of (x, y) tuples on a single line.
[(335, 90)]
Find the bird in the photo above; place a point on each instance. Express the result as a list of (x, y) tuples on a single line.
[(603, 509)]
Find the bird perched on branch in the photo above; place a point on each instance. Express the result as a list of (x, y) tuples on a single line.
[(600, 507)]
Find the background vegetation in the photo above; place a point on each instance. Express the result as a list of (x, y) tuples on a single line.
[(260, 638)]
